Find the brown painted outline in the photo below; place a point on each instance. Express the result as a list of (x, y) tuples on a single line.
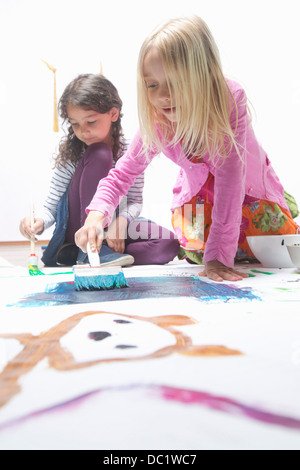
[(47, 345)]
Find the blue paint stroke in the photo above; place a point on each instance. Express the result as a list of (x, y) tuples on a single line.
[(64, 293)]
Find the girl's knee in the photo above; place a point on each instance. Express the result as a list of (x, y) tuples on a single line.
[(164, 250)]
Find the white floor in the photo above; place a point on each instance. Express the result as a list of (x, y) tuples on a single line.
[(177, 372)]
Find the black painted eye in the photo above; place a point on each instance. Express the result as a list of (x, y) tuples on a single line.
[(98, 335), (122, 321), (125, 346)]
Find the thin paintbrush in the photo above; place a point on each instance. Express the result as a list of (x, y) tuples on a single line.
[(33, 259), (97, 277)]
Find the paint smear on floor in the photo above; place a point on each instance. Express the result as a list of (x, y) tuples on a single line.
[(64, 293)]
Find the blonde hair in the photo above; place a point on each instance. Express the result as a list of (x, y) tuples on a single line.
[(203, 99)]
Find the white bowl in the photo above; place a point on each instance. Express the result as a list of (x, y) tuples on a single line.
[(271, 250), (294, 252)]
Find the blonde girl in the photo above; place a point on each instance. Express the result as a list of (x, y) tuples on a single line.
[(226, 188)]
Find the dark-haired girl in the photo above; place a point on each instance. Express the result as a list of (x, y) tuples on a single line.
[(92, 146)]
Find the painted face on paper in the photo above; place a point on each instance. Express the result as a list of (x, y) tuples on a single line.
[(110, 337)]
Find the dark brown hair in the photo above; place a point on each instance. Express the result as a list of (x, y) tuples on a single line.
[(91, 92)]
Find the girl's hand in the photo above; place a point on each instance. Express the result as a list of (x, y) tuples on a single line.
[(92, 232), (27, 231), (116, 234), (218, 272)]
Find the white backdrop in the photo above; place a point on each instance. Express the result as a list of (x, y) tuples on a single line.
[(259, 44)]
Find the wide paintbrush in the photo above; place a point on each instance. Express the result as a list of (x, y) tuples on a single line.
[(93, 276)]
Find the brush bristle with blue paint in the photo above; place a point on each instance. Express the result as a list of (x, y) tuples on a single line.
[(97, 277)]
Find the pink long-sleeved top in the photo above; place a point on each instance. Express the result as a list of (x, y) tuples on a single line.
[(247, 173)]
